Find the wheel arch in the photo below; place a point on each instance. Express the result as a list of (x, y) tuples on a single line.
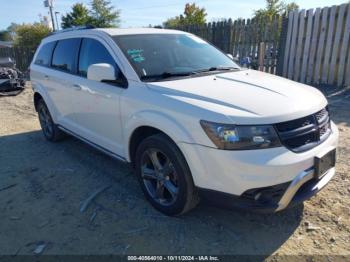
[(138, 135), (148, 123), (37, 98), (40, 93)]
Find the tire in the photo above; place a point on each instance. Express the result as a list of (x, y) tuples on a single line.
[(159, 163), (50, 130)]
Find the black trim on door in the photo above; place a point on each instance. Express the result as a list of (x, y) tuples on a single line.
[(98, 147)]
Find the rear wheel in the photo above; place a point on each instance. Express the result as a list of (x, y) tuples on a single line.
[(49, 128), (164, 176)]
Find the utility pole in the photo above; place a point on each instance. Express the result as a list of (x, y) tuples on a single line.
[(49, 4), (58, 26)]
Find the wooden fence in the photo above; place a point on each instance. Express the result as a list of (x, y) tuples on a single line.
[(244, 38), (22, 56), (307, 46), (317, 46)]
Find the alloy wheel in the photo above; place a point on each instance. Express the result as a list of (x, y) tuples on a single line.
[(159, 177), (46, 121)]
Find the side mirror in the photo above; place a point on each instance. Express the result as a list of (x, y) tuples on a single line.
[(101, 72)]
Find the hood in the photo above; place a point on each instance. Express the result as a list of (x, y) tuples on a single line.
[(246, 97)]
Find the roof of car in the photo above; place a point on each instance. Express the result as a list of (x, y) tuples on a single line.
[(81, 31), (134, 31)]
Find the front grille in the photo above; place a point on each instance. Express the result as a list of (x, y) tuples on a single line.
[(321, 114), (305, 133)]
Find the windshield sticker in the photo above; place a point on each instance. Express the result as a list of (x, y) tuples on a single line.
[(136, 55)]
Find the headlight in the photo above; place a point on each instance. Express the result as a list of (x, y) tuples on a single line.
[(233, 137)]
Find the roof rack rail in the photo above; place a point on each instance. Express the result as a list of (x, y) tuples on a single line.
[(74, 28)]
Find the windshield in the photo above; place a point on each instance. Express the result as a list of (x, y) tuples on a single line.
[(160, 56)]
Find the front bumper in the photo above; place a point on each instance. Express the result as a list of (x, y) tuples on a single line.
[(277, 198), (227, 176)]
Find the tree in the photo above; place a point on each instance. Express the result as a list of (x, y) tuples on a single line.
[(274, 8), (30, 35), (291, 7), (5, 35), (172, 22), (193, 15), (79, 16), (103, 14), (12, 30)]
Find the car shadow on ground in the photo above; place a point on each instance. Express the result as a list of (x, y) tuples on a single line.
[(55, 178)]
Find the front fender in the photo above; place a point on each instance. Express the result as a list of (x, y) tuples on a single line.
[(158, 120)]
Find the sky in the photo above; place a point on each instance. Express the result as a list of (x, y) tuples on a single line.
[(137, 13)]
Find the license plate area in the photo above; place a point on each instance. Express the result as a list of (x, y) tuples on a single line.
[(324, 163)]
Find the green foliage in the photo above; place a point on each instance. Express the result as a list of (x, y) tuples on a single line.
[(172, 22), (193, 15), (274, 8), (30, 35), (12, 30), (12, 27), (103, 14), (5, 36), (291, 7), (77, 17)]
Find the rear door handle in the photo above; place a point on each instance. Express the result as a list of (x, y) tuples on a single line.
[(77, 87), (46, 77)]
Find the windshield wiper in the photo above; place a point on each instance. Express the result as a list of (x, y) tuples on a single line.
[(216, 68), (165, 75)]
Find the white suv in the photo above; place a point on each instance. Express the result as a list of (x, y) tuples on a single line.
[(192, 122)]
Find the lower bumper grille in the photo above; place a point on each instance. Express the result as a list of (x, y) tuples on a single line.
[(266, 195), (305, 133)]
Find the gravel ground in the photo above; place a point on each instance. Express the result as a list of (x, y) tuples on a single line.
[(43, 185)]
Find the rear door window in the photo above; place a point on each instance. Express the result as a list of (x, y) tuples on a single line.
[(65, 55), (93, 52), (45, 53)]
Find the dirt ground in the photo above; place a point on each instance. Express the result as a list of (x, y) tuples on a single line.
[(43, 185)]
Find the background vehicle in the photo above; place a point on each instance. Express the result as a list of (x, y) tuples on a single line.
[(12, 80), (186, 116)]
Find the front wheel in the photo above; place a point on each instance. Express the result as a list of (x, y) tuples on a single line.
[(164, 176)]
